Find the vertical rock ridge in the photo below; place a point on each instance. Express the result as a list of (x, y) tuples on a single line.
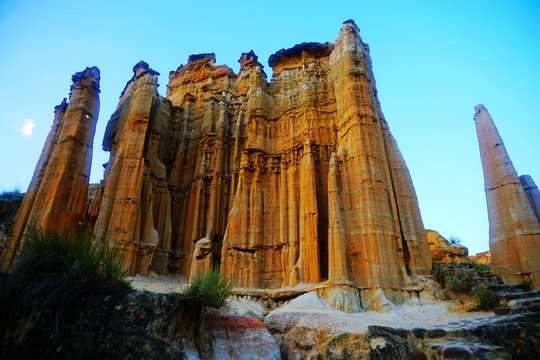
[(126, 209)]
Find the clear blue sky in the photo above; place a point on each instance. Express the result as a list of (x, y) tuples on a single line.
[(433, 62)]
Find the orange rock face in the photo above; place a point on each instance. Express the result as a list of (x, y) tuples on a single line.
[(443, 250), (294, 180), (482, 258), (514, 229), (56, 196)]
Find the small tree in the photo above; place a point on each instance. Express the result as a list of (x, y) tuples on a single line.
[(454, 239)]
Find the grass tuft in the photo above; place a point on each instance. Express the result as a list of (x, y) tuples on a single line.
[(55, 272), (439, 273), (208, 290)]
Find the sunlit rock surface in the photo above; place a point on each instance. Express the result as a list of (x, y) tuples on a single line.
[(482, 257), (443, 250)]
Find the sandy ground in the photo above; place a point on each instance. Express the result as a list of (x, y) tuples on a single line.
[(309, 310), (158, 283)]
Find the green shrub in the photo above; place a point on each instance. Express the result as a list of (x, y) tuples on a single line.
[(208, 290), (55, 272), (454, 239), (439, 273), (488, 299), (481, 267), (458, 286), (527, 285), (8, 193), (461, 286)]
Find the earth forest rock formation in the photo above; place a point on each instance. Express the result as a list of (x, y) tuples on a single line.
[(293, 180), (513, 208)]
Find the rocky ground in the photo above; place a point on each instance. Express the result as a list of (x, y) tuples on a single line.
[(308, 328), (144, 324)]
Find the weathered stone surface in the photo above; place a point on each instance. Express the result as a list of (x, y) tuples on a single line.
[(289, 181), (443, 250), (482, 258), (239, 337), (514, 230), (56, 196), (310, 336), (139, 325)]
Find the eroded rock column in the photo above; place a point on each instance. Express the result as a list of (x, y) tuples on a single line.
[(57, 195), (514, 230), (128, 201), (387, 238)]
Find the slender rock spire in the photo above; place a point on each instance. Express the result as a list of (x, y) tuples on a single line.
[(57, 194), (514, 230)]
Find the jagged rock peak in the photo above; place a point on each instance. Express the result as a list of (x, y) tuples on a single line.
[(299, 51), (89, 78), (207, 57), (92, 72), (479, 108), (271, 181), (349, 40), (350, 23), (140, 69), (61, 107), (249, 59), (443, 250)]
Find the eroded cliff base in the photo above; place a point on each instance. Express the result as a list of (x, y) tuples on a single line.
[(138, 325)]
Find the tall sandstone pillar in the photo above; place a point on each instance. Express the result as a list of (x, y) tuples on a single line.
[(134, 206), (514, 230), (57, 194), (386, 238)]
